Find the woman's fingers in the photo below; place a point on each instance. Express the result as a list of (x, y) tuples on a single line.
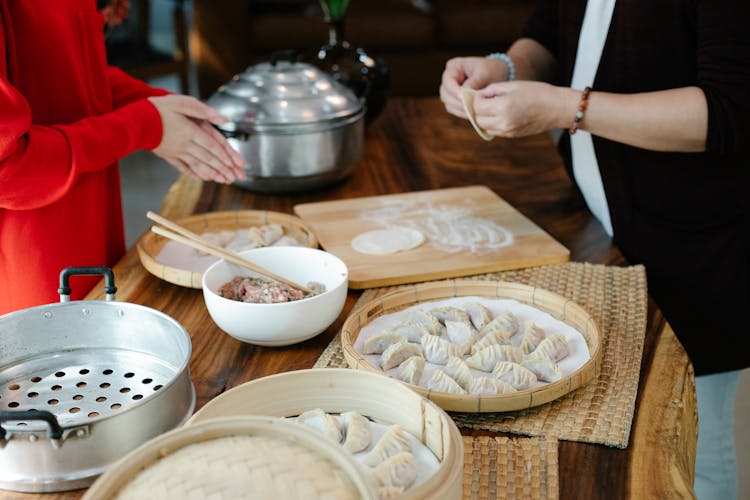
[(237, 159)]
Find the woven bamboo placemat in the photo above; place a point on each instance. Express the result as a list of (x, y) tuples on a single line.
[(600, 412), (510, 467)]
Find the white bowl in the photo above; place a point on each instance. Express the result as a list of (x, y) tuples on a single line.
[(286, 322)]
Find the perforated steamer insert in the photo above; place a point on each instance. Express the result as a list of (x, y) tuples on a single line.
[(82, 383)]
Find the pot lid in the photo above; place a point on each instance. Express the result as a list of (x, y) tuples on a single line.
[(284, 93)]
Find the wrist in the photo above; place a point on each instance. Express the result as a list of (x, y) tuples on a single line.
[(509, 64)]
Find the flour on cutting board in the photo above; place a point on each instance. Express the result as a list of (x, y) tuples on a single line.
[(447, 227)]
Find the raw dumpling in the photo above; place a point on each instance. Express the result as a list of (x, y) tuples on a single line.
[(388, 492), (410, 371), (441, 382), (479, 314), (543, 367), (395, 354), (449, 313), (427, 320), (322, 422), (505, 322), (487, 385), (460, 334), (438, 350), (378, 343), (554, 347), (254, 238), (412, 331), (496, 337), (394, 441), (532, 336), (271, 233), (457, 369), (358, 432), (486, 359), (516, 375), (398, 470)]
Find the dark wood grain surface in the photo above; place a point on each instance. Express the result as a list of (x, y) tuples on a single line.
[(416, 145)]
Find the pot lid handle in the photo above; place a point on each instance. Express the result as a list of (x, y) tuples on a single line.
[(65, 274)]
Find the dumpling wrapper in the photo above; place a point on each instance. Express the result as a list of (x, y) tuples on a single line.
[(387, 241), (467, 97)]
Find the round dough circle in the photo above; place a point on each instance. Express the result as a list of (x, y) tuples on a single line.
[(387, 241)]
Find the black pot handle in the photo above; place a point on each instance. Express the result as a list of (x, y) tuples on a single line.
[(65, 274), (55, 431), (233, 134)]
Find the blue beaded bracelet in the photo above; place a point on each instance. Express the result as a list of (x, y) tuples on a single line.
[(508, 62)]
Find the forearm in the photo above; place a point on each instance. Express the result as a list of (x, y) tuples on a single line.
[(674, 120), (532, 60)]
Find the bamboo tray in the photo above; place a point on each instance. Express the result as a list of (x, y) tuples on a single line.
[(337, 390), (151, 244), (228, 458), (557, 306)]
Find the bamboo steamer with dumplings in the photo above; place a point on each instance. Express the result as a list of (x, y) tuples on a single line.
[(339, 390), (248, 457)]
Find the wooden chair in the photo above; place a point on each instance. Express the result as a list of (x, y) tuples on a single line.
[(138, 57)]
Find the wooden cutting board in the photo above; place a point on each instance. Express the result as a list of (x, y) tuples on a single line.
[(468, 230)]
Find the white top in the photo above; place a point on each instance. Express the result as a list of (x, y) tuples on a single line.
[(594, 31)]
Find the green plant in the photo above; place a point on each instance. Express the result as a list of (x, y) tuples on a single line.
[(334, 9)]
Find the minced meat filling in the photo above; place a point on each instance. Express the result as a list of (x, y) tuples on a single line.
[(261, 291)]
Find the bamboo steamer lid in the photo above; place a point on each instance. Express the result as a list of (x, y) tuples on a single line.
[(338, 390), (235, 458)]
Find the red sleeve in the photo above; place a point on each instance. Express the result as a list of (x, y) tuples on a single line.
[(126, 89), (39, 164)]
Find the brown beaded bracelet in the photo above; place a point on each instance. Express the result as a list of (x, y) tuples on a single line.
[(581, 110)]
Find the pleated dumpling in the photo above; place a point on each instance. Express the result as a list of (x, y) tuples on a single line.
[(486, 359), (506, 322), (479, 315), (388, 492), (437, 350), (410, 371), (440, 381), (397, 353), (532, 336), (399, 470), (450, 313), (457, 369), (497, 337), (412, 331), (427, 320), (461, 334), (322, 422), (378, 343), (488, 385), (516, 375), (357, 430), (554, 347), (395, 440), (543, 367)]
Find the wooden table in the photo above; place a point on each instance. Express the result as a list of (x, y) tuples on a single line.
[(416, 145)]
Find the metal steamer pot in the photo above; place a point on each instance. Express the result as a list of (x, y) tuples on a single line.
[(297, 128), (82, 383)]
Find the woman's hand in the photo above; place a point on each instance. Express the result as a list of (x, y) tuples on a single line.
[(521, 108), (472, 72), (191, 144)]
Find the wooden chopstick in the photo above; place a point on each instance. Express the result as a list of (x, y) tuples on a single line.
[(189, 238)]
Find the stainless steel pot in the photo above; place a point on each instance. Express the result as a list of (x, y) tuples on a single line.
[(297, 128), (82, 383)]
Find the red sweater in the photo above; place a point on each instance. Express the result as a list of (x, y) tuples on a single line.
[(66, 117)]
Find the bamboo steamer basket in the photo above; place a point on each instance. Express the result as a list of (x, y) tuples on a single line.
[(338, 390), (151, 244), (229, 458), (556, 305)]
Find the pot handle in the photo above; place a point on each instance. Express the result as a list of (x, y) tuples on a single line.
[(233, 134), (55, 432), (109, 281)]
